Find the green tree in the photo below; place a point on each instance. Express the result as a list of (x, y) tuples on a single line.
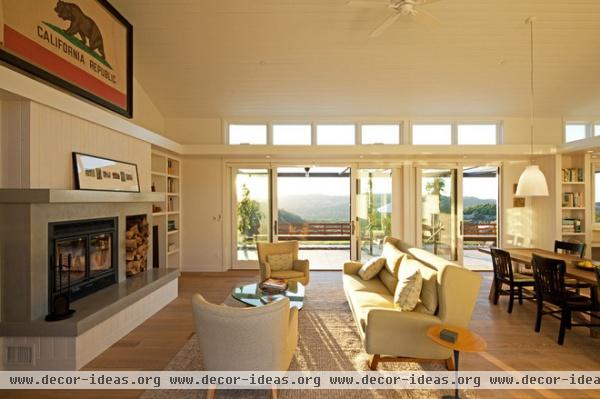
[(249, 215), (435, 187), (481, 211)]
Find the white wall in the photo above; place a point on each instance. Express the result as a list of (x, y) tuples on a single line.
[(55, 135), (37, 142), (145, 113), (517, 222), (194, 130), (202, 197), (14, 130), (545, 217)]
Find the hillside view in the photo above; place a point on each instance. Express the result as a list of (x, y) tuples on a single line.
[(334, 209)]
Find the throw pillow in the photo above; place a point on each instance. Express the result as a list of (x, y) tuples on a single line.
[(409, 287), (428, 301), (393, 256), (429, 295), (280, 261), (371, 268)]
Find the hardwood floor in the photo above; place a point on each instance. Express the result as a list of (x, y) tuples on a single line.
[(512, 342)]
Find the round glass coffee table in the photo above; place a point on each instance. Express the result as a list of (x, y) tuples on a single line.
[(251, 294)]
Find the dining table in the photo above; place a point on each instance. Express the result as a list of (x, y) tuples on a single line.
[(523, 256)]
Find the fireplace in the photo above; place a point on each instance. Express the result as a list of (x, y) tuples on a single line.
[(83, 254)]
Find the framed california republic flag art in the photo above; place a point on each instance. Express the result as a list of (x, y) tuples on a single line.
[(83, 46)]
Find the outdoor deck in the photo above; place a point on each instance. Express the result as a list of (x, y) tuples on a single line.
[(327, 245)]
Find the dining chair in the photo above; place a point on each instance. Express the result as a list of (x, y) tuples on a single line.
[(549, 275), (504, 274), (571, 248)]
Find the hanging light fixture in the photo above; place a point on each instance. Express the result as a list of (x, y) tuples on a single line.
[(532, 182)]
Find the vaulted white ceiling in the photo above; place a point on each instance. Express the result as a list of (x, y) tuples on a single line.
[(200, 58)]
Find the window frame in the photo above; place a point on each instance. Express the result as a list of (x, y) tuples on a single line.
[(271, 133), (228, 132), (405, 130), (589, 129), (437, 123), (316, 132), (499, 131), (454, 131), (360, 132)]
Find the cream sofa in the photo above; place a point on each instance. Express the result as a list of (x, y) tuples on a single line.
[(389, 334)]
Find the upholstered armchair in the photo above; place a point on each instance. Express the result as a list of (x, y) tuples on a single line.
[(299, 270), (244, 339)]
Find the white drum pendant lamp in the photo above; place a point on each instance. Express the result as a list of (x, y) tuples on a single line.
[(532, 182)]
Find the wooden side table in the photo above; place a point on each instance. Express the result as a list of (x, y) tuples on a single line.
[(467, 341)]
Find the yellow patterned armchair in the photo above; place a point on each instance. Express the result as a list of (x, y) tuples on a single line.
[(299, 269)]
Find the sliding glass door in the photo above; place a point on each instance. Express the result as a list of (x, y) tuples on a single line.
[(373, 211), (312, 206), (251, 213), (337, 213), (458, 212), (480, 197), (439, 211)]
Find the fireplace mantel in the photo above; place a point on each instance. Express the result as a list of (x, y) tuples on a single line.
[(53, 196)]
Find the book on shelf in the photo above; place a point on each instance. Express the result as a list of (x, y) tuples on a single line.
[(572, 175), (171, 225), (570, 225), (170, 168), (572, 200)]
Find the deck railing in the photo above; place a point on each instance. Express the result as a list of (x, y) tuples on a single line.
[(480, 232), (314, 231), (477, 232)]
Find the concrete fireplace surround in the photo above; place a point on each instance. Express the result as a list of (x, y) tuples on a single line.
[(101, 318)]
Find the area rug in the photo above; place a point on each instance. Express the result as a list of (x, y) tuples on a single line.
[(328, 340)]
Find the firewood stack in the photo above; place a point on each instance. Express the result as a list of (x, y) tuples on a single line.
[(137, 243)]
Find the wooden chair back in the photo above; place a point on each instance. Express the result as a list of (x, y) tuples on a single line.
[(502, 264), (572, 248), (549, 276)]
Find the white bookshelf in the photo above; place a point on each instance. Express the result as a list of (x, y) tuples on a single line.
[(167, 178), (575, 185)]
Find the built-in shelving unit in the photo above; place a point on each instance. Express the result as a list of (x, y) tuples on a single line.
[(167, 179), (574, 177)]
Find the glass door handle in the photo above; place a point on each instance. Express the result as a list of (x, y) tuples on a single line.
[(352, 227), (461, 229), (275, 227)]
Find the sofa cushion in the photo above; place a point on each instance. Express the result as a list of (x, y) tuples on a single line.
[(363, 302), (371, 268), (352, 283), (280, 261), (388, 280), (287, 274), (408, 290), (430, 259), (393, 256)]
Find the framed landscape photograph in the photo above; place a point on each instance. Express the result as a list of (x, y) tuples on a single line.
[(103, 174), (82, 46)]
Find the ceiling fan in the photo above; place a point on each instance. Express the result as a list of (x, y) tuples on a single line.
[(401, 7)]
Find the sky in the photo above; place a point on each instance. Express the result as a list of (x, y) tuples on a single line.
[(480, 187)]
